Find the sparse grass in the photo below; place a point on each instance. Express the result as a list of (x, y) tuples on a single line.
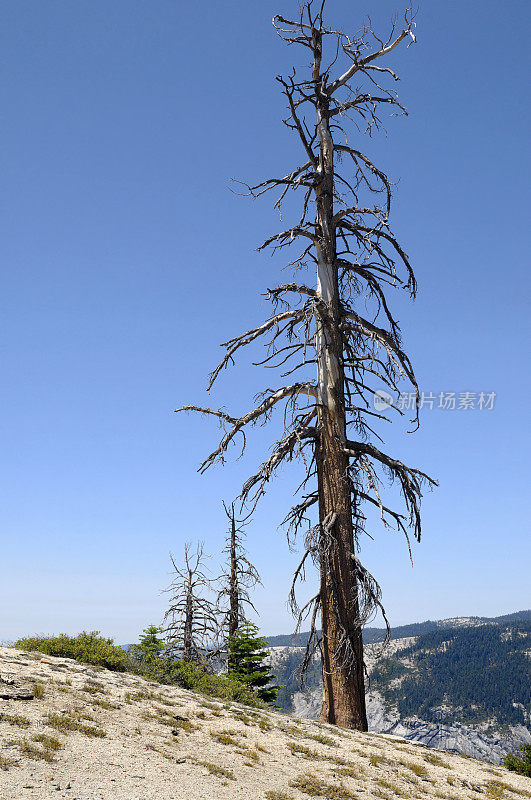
[(38, 691), (316, 787), (321, 738), (374, 743), (65, 723), (261, 749), (242, 716), (160, 751), (165, 701), (351, 772), (172, 720), (36, 753), (315, 755), (225, 737), (291, 730), (106, 704), (81, 713), (495, 789), (301, 750), (184, 725), (6, 762), (252, 755), (432, 758), (142, 695), (274, 794), (215, 769), (15, 719), (48, 742), (93, 687), (338, 760), (418, 769), (264, 724), (396, 790), (376, 760)]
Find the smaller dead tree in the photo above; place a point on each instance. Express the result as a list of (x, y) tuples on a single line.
[(191, 622), (237, 579)]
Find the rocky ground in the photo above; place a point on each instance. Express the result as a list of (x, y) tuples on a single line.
[(91, 734)]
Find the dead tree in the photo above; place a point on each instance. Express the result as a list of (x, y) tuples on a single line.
[(238, 578), (190, 623), (341, 327)]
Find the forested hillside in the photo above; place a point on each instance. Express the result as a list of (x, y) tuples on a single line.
[(471, 674)]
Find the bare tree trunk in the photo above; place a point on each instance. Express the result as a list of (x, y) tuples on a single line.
[(188, 627), (343, 679), (234, 600)]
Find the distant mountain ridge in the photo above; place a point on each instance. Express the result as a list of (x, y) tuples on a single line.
[(375, 635)]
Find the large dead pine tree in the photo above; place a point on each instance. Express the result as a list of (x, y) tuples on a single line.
[(341, 327)]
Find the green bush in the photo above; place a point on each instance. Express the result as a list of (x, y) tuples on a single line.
[(520, 765), (198, 679), (91, 648)]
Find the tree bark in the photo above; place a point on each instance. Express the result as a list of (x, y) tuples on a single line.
[(234, 604), (343, 677), (188, 627)]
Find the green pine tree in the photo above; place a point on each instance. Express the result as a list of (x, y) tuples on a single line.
[(150, 646), (246, 657)]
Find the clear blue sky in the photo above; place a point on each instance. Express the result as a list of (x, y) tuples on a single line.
[(126, 260)]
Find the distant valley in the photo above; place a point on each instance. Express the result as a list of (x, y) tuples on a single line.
[(462, 684)]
